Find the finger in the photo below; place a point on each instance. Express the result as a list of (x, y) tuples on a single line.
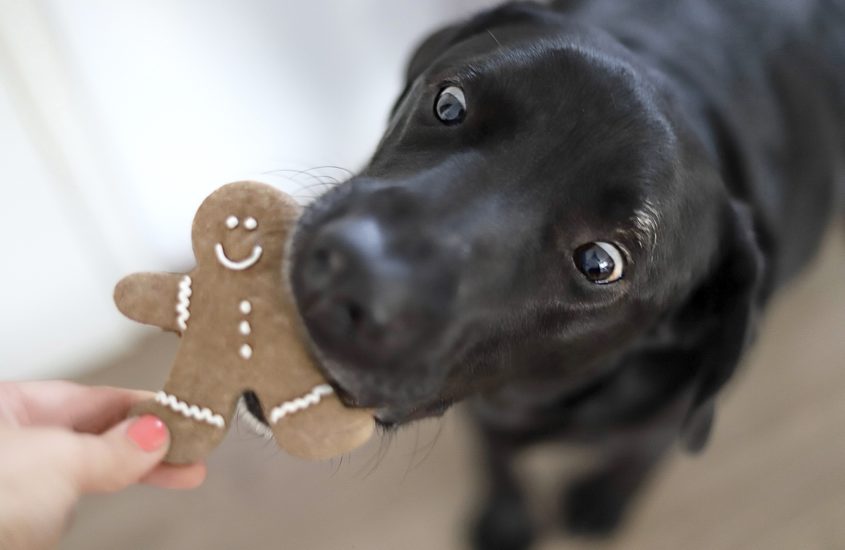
[(168, 476), (36, 496), (118, 458), (58, 403)]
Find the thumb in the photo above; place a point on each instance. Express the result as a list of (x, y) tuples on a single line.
[(119, 457)]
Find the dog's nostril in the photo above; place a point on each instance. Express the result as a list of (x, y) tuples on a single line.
[(355, 313), (326, 259), (321, 258), (321, 268)]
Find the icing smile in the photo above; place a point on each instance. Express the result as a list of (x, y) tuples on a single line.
[(246, 263)]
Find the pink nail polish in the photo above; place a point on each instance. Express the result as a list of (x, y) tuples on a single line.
[(148, 432)]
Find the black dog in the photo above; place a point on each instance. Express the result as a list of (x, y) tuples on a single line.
[(575, 217)]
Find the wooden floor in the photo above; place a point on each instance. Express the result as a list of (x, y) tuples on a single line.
[(773, 477)]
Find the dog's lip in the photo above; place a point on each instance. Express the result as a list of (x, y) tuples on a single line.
[(381, 415), (389, 418), (345, 397), (384, 414), (325, 365), (348, 398)]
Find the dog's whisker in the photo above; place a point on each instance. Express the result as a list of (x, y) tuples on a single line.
[(318, 185), (412, 455), (493, 36), (284, 171), (313, 172), (336, 468), (384, 445), (306, 193), (429, 447), (348, 173)]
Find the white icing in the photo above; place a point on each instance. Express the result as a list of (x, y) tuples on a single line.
[(244, 328), (250, 261), (250, 223), (201, 414), (183, 303), (245, 351), (300, 403), (231, 222)]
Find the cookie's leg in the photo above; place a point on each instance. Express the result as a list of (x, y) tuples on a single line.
[(195, 427), (314, 425), (197, 410)]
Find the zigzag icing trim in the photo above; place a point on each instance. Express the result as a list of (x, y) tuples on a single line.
[(193, 412), (183, 303), (300, 403)]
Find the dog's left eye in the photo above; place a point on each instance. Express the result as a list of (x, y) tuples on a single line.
[(600, 262), (451, 105)]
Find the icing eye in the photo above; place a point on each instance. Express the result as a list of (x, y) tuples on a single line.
[(600, 262), (250, 223), (450, 105), (231, 222)]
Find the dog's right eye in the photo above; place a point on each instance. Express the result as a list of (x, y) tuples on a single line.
[(600, 262), (451, 105)]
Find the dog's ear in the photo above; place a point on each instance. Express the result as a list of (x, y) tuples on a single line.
[(438, 42), (430, 49), (722, 316)]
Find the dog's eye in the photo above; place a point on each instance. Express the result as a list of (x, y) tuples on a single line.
[(600, 262), (451, 105)]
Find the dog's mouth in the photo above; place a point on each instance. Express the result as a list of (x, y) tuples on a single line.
[(389, 409), (382, 415), (385, 415)]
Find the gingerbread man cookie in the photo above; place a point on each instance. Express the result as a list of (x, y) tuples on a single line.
[(239, 332)]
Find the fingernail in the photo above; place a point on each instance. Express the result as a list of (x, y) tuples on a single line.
[(148, 432)]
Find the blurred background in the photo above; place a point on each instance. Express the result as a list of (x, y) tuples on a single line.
[(118, 118)]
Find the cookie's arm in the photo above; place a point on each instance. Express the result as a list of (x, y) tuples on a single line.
[(160, 299)]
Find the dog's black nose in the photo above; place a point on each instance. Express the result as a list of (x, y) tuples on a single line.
[(357, 297)]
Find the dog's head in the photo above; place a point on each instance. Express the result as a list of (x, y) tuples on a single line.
[(534, 209)]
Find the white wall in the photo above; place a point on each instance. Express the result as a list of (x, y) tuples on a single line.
[(117, 118)]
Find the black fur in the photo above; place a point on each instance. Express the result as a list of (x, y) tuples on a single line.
[(444, 270)]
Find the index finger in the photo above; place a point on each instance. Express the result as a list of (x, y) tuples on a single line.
[(90, 409)]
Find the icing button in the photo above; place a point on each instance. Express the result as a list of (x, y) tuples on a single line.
[(246, 307), (244, 328), (246, 351)]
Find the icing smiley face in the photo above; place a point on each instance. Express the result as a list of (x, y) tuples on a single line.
[(237, 228), (250, 224)]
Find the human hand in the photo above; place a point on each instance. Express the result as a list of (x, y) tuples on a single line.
[(60, 440)]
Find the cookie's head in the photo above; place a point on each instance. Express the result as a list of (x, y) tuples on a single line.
[(243, 227)]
